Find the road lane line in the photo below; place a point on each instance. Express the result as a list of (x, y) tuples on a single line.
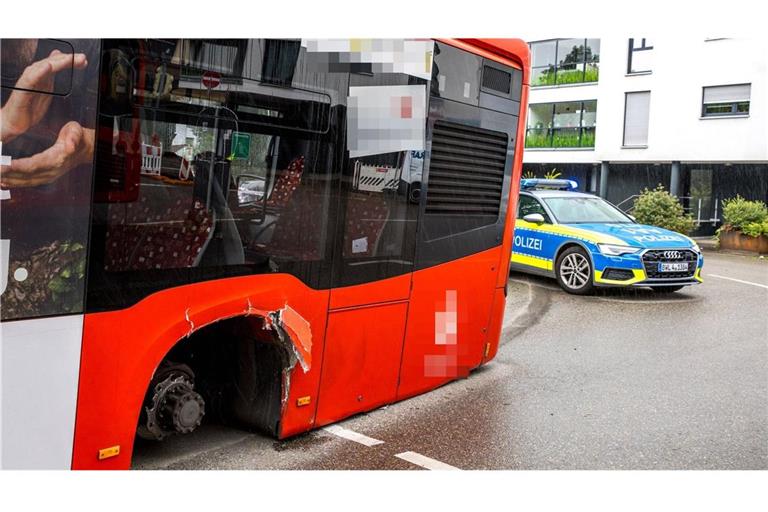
[(738, 281), (425, 462), (352, 435)]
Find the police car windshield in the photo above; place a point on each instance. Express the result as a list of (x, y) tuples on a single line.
[(582, 210)]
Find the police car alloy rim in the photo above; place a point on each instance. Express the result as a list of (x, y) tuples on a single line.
[(574, 271)]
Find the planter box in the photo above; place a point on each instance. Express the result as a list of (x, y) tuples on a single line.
[(737, 240)]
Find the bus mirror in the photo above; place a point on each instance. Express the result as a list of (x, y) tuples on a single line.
[(250, 189), (534, 218)]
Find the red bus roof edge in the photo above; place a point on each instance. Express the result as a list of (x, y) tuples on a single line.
[(515, 50)]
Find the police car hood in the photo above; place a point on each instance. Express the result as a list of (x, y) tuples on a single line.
[(638, 235)]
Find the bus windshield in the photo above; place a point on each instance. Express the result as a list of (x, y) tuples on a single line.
[(584, 210)]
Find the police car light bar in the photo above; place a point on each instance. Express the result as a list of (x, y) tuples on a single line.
[(533, 183)]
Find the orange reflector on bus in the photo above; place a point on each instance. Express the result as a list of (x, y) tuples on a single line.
[(112, 451), (303, 400)]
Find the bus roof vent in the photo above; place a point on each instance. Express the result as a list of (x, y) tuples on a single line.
[(466, 170)]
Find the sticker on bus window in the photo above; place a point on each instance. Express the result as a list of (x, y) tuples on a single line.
[(360, 245)]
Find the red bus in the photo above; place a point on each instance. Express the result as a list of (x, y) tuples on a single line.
[(271, 234)]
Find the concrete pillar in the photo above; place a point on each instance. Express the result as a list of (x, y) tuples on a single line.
[(604, 179), (674, 181), (593, 180)]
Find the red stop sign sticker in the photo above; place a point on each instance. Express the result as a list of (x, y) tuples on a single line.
[(211, 79)]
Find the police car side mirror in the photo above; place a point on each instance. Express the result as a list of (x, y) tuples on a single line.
[(534, 218)]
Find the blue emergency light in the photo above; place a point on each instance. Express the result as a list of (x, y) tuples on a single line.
[(534, 183)]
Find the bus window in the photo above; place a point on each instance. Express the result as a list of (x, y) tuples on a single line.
[(230, 181), (45, 207)]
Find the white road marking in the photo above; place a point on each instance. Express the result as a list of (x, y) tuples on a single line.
[(352, 435), (738, 281), (425, 462)]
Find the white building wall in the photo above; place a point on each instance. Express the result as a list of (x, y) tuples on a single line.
[(680, 68)]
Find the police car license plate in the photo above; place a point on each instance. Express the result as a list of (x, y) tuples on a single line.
[(673, 267)]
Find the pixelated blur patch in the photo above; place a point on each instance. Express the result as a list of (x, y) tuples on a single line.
[(409, 56), (446, 338), (385, 119)]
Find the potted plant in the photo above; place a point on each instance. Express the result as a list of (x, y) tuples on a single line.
[(745, 225)]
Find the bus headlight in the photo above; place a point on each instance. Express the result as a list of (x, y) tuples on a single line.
[(617, 250)]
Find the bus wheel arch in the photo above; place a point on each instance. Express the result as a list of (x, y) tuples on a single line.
[(235, 370)]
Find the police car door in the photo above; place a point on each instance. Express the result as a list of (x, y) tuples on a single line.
[(533, 246)]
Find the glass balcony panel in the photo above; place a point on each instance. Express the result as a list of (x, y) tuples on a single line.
[(543, 54), (570, 74)]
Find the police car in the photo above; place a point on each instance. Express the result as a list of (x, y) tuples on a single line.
[(584, 241)]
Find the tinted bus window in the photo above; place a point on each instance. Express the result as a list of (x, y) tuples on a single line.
[(214, 181), (49, 91)]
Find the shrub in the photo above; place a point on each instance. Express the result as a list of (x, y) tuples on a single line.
[(659, 208), (744, 215), (755, 228)]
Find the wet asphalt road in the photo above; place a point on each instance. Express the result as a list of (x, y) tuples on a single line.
[(620, 380)]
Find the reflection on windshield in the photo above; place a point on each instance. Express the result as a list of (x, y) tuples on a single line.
[(581, 210)]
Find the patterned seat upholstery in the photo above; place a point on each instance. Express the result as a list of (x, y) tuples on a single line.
[(367, 213), (157, 231), (286, 184), (296, 233)]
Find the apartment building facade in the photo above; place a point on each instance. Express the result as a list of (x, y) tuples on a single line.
[(621, 114)]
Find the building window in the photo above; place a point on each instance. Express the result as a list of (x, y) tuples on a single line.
[(639, 56), (636, 112), (726, 100), (561, 125), (564, 61)]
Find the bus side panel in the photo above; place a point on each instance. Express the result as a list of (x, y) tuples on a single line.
[(386, 290), (362, 360), (495, 324), (517, 171), (447, 321), (122, 349), (40, 360)]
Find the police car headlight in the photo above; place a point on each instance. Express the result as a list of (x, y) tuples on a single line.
[(695, 248), (617, 250)]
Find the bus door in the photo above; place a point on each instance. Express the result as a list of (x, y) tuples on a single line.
[(375, 245)]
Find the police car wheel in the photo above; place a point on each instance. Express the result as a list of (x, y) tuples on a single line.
[(666, 289), (574, 271)]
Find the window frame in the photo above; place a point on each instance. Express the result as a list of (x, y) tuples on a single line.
[(550, 136), (734, 112), (624, 124), (630, 52), (556, 66)]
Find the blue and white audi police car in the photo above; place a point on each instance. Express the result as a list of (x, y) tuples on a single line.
[(584, 241)]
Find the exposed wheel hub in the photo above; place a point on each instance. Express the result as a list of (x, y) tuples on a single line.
[(174, 407)]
